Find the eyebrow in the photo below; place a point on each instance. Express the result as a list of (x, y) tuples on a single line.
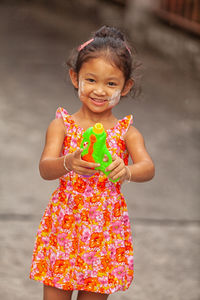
[(110, 78), (90, 74)]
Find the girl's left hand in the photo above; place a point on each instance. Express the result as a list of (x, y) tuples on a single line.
[(118, 169)]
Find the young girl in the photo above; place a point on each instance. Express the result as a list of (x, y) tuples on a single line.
[(84, 240)]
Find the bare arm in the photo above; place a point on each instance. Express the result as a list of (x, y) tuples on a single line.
[(142, 168), (51, 165)]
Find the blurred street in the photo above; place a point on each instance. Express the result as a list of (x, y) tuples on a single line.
[(165, 213)]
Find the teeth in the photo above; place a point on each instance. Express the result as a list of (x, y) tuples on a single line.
[(98, 100)]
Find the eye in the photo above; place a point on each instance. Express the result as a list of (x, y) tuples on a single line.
[(90, 80), (111, 83)]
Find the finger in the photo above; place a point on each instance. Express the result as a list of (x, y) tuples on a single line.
[(86, 171), (114, 157), (90, 172), (117, 162), (77, 153), (119, 175), (118, 172), (112, 166), (89, 165)]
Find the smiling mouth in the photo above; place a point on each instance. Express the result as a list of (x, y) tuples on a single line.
[(99, 100)]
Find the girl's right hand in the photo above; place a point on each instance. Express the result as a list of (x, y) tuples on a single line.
[(75, 163)]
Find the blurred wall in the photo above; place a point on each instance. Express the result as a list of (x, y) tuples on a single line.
[(151, 33), (138, 17)]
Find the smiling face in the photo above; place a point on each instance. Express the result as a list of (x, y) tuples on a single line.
[(100, 84)]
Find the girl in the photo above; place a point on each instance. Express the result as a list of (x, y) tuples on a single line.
[(84, 240)]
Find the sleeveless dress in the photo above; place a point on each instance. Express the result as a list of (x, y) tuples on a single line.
[(84, 239)]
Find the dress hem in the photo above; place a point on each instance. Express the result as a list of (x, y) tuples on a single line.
[(78, 289)]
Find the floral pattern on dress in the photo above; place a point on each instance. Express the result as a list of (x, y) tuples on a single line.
[(84, 239)]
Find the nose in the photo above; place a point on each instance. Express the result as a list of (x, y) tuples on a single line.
[(99, 90)]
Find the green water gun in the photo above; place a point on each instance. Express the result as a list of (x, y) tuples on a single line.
[(94, 148)]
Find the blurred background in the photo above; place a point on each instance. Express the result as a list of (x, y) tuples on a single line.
[(36, 38)]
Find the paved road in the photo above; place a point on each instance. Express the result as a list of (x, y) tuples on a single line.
[(164, 213)]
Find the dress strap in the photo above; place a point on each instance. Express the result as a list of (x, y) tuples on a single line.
[(61, 113), (124, 124)]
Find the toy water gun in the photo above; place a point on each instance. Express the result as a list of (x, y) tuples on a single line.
[(94, 148)]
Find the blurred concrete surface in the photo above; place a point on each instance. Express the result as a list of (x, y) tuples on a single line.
[(35, 43)]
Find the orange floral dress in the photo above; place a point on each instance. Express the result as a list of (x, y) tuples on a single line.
[(84, 239)]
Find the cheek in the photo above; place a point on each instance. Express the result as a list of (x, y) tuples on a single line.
[(114, 99), (80, 87)]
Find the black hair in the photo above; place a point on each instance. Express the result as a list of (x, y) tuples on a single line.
[(110, 43)]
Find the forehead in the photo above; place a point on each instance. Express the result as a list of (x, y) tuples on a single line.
[(101, 67)]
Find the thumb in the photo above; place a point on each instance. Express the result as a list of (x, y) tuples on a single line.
[(77, 153), (114, 157)]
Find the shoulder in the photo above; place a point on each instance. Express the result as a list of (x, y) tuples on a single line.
[(132, 134), (57, 125)]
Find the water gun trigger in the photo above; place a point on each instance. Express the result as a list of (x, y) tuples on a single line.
[(105, 162), (105, 158)]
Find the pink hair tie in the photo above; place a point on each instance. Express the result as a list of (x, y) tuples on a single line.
[(82, 46), (129, 50), (85, 44)]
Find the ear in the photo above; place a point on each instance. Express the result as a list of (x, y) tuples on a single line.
[(74, 78), (127, 87)]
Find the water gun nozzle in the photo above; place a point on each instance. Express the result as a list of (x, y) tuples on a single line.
[(98, 128)]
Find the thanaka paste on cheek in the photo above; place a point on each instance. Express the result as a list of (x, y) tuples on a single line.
[(80, 87), (114, 99)]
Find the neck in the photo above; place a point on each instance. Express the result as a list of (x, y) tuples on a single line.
[(94, 117)]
